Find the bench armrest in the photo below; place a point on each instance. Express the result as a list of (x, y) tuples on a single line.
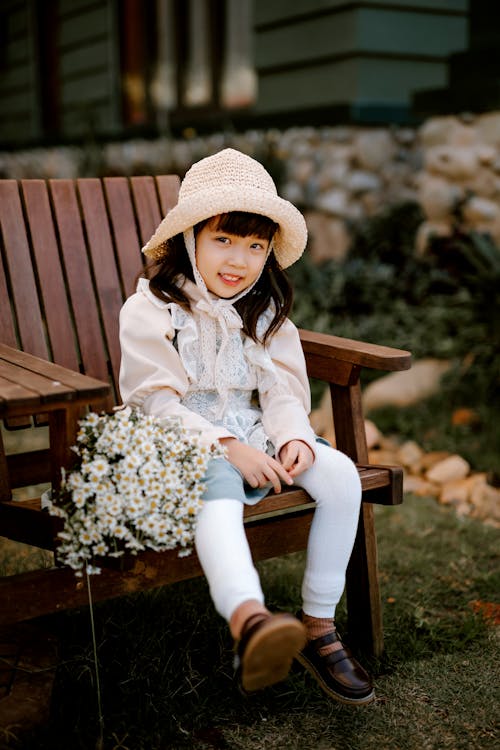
[(328, 348)]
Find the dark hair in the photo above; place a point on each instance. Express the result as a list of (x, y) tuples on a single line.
[(167, 274)]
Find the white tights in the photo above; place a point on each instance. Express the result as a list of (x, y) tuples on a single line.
[(225, 557)]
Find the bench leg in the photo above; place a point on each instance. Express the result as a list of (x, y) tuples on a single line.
[(362, 588)]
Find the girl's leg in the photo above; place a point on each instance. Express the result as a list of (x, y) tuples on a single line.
[(225, 557), (265, 643), (333, 482)]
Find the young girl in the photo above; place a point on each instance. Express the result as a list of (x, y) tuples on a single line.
[(207, 339)]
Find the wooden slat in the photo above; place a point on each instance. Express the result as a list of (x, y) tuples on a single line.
[(32, 389), (22, 278), (127, 244), (93, 354), (50, 275), (146, 204), (104, 266), (168, 190), (7, 329), (32, 467), (86, 385)]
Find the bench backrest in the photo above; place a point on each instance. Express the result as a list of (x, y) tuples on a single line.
[(70, 257)]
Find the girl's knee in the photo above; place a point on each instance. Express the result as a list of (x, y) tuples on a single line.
[(336, 478), (337, 465)]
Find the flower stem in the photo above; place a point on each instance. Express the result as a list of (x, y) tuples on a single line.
[(100, 740)]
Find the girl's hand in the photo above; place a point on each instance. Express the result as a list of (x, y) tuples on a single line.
[(296, 457), (257, 467)]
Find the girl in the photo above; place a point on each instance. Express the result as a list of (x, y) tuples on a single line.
[(207, 339)]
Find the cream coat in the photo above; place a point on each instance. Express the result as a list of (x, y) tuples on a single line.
[(153, 378)]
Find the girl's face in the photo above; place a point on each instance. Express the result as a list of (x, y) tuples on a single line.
[(228, 263)]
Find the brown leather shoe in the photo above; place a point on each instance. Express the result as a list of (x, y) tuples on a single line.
[(338, 674), (265, 652)]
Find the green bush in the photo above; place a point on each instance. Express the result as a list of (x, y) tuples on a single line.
[(443, 304)]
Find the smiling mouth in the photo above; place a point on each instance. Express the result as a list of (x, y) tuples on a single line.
[(229, 278)]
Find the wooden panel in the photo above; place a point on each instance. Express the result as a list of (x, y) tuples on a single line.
[(121, 211), (81, 27), (168, 189), (22, 279), (146, 203), (76, 61), (49, 272), (7, 330), (87, 387), (104, 266), (82, 295), (29, 468)]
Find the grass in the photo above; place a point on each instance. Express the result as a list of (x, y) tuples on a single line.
[(166, 672)]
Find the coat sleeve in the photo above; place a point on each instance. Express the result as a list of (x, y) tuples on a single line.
[(152, 377), (286, 405)]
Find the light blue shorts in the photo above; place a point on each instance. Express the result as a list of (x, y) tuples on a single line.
[(223, 480)]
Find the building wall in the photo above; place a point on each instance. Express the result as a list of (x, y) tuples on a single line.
[(18, 80), (317, 61), (365, 58), (88, 67)]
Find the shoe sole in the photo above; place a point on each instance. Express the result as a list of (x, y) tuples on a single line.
[(269, 654), (328, 690)]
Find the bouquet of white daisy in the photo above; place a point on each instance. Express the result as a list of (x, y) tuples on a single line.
[(137, 484)]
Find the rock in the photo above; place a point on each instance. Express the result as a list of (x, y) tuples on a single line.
[(438, 197), (486, 154), (407, 387), (382, 457), (485, 501), (455, 492), (485, 183), (322, 423), (373, 434), (420, 486), (374, 148), (334, 202), (452, 468), (432, 458), (488, 128), (409, 455), (480, 209), (457, 164), (437, 131), (361, 182), (328, 237)]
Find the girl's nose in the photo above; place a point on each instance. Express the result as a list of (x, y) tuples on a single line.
[(238, 255)]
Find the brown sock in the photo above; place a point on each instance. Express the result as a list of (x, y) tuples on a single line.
[(319, 626)]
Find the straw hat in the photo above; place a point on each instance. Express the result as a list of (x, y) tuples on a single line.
[(232, 181)]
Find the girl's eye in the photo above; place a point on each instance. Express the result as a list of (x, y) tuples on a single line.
[(257, 246), (224, 240)]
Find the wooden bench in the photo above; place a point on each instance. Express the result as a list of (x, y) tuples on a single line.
[(70, 256)]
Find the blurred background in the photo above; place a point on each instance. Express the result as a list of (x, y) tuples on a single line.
[(379, 120)]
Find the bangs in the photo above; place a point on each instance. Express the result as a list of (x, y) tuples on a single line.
[(242, 224)]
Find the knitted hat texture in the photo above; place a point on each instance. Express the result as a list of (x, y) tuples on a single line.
[(232, 181)]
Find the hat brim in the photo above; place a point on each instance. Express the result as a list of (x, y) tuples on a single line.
[(289, 241)]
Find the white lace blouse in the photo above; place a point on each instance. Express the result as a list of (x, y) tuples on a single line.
[(200, 367)]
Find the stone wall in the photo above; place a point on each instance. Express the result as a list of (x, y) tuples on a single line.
[(337, 175)]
